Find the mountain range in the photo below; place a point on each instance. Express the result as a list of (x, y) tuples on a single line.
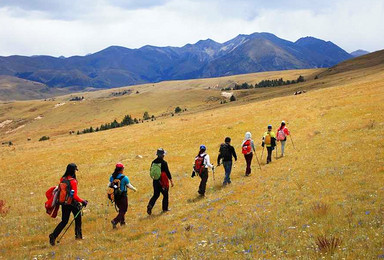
[(119, 66)]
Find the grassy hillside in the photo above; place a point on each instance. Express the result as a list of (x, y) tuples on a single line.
[(331, 185)]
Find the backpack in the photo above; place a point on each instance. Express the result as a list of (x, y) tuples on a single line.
[(64, 197), (224, 151), (267, 139), (114, 190), (247, 147), (51, 205), (281, 135), (155, 171), (199, 164)]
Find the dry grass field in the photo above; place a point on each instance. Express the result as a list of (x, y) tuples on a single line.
[(330, 188)]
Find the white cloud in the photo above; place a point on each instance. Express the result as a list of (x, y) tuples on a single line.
[(78, 29)]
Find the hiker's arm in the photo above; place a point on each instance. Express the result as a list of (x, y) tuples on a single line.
[(218, 158), (75, 196), (253, 146), (166, 170), (208, 161), (234, 153), (129, 185)]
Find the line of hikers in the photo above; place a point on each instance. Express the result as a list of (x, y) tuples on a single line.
[(65, 194)]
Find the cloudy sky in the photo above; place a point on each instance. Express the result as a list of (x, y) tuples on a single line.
[(79, 27)]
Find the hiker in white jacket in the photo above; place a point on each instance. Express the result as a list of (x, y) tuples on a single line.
[(202, 163)]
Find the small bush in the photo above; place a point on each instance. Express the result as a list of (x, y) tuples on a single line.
[(44, 138), (177, 110), (3, 209), (328, 245), (320, 208)]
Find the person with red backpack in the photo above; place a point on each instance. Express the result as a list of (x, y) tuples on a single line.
[(282, 133), (118, 184), (70, 202), (202, 162), (248, 147), (161, 176)]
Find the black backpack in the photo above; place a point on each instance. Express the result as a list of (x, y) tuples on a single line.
[(225, 151)]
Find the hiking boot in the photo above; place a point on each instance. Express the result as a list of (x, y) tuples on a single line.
[(149, 209), (166, 210), (225, 183), (52, 239), (113, 224), (122, 224)]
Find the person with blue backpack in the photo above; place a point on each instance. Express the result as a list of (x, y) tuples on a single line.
[(118, 183), (161, 176)]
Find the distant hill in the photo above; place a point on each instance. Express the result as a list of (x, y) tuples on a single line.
[(358, 53), (118, 66)]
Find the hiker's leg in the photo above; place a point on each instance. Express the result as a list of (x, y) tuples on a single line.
[(228, 169), (269, 157), (165, 193), (122, 205), (282, 147), (66, 211), (78, 231), (250, 156), (156, 193), (203, 182)]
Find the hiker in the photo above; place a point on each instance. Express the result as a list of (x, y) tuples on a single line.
[(161, 177), (202, 163), (226, 152), (281, 136), (269, 140), (70, 202), (248, 147), (119, 183)]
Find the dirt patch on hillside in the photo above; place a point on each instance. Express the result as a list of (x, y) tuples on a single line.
[(6, 122)]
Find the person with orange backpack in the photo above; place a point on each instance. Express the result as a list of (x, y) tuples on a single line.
[(269, 140), (248, 147), (70, 202), (282, 133), (118, 193), (202, 162), (161, 176)]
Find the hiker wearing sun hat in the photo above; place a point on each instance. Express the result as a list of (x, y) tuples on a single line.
[(269, 140), (161, 176), (281, 136), (118, 183)]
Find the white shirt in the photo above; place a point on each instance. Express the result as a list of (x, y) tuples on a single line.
[(207, 162)]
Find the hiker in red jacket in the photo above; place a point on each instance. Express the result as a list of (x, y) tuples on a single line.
[(70, 203), (282, 133)]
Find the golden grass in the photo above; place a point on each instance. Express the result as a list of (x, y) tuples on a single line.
[(338, 160)]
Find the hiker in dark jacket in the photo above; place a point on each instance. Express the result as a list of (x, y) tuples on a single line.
[(161, 185), (122, 201), (74, 207), (226, 152)]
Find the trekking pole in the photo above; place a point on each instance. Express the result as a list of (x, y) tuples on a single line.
[(80, 210), (257, 160), (292, 142)]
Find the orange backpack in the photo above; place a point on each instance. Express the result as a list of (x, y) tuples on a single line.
[(65, 188), (247, 147)]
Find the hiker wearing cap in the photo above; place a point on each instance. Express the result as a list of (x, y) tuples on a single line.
[(282, 133), (269, 140), (161, 176), (202, 163), (226, 152), (248, 147), (119, 183), (70, 202)]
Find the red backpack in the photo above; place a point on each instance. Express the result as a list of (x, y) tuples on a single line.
[(199, 164), (247, 147), (51, 206), (281, 134), (65, 188)]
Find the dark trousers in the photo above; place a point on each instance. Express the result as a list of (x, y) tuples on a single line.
[(269, 158), (157, 189), (203, 182), (248, 160), (228, 168), (66, 212), (122, 205)]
